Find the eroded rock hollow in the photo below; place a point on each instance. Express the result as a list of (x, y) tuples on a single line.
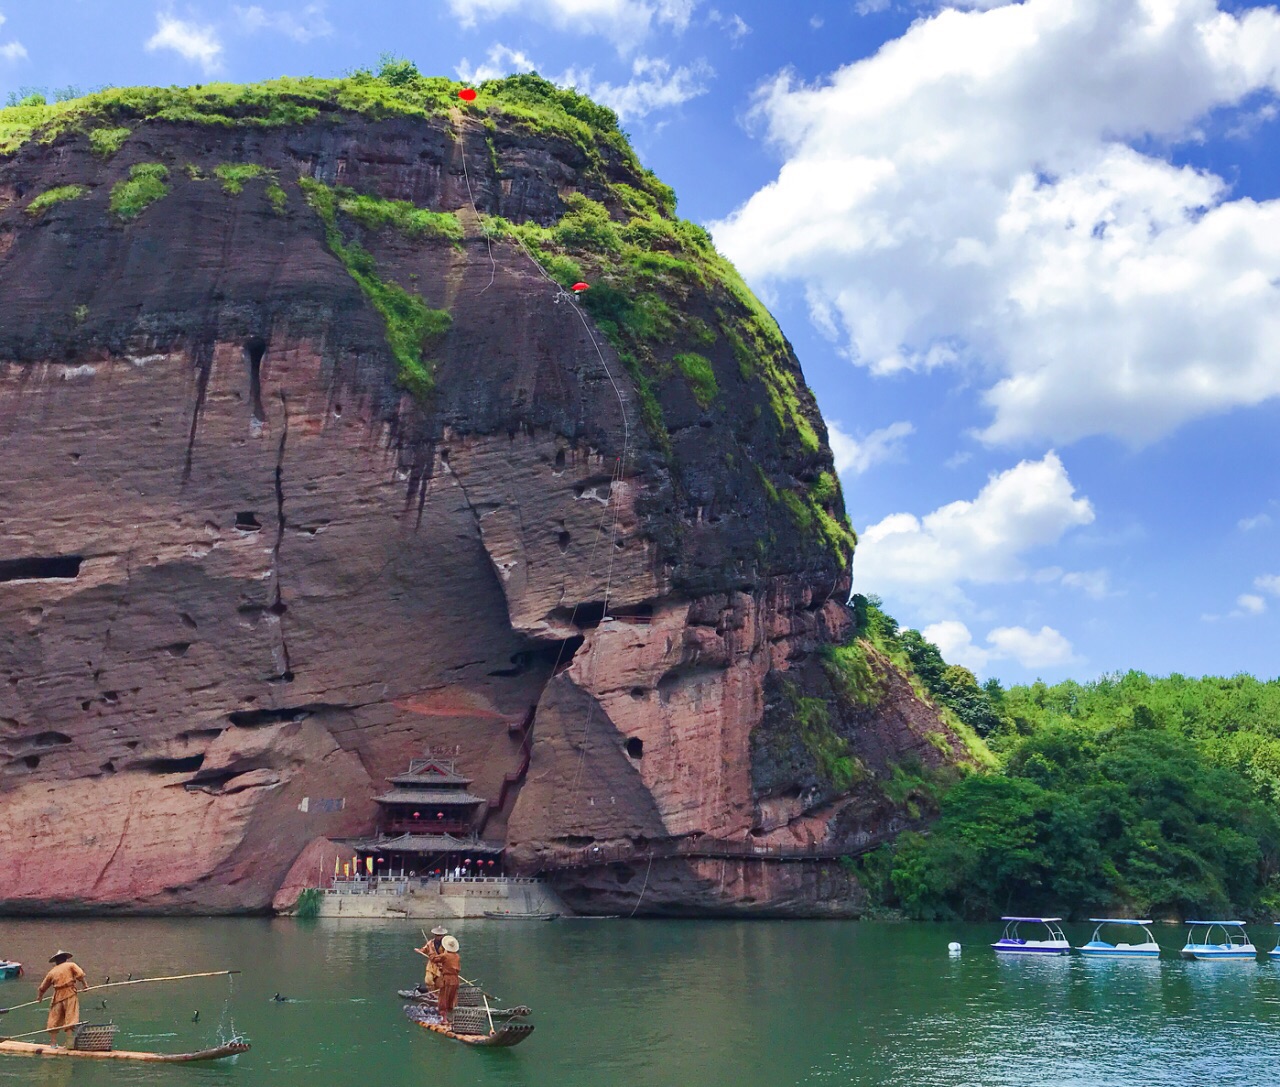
[(259, 546)]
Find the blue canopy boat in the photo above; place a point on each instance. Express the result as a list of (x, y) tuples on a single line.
[(1148, 949), (1235, 943), (1274, 953), (10, 970), (1011, 943)]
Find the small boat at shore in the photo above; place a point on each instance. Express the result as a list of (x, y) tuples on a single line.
[(506, 915), (1013, 943), (1233, 945), (30, 1049), (1148, 949), (10, 969), (471, 1026)]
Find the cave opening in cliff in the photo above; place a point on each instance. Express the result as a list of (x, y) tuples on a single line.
[(247, 521), (257, 718), (635, 747), (254, 348), (41, 568), (170, 766)]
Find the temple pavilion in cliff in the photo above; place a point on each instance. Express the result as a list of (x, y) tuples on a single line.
[(428, 827)]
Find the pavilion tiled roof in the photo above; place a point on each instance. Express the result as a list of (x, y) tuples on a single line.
[(426, 843), (428, 797)]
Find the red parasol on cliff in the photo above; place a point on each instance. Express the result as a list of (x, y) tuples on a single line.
[(467, 94)]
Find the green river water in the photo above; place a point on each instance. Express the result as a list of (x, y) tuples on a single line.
[(689, 1004)]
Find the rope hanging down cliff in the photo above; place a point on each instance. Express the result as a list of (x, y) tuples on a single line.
[(563, 297)]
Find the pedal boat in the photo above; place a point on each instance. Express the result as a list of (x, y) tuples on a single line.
[(1012, 943), (1148, 949), (1274, 953), (10, 969), (1234, 944)]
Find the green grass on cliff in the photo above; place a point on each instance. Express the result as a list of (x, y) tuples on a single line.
[(56, 195), (410, 322), (396, 89), (147, 183), (233, 175), (107, 141), (409, 220)]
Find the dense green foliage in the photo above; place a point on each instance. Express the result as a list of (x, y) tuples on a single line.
[(147, 182), (1134, 794), (233, 175), (701, 377), (411, 221), (56, 195), (308, 904), (410, 322), (107, 141)]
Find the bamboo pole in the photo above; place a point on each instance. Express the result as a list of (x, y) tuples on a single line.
[(134, 981)]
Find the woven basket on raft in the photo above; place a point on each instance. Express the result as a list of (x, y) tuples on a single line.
[(95, 1037)]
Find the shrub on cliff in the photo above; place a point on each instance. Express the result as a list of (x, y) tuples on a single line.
[(147, 183)]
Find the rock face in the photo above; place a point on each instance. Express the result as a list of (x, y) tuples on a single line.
[(245, 575)]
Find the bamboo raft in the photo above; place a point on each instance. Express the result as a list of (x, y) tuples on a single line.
[(473, 999), (470, 1027), (31, 1049)]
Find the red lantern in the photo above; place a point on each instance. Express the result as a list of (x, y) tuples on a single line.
[(381, 859), (491, 864), (415, 815), (439, 815), (467, 94), (578, 288), (467, 860)]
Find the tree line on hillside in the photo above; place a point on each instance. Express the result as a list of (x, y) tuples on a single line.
[(1132, 795)]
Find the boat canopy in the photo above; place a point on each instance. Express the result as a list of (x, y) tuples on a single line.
[(1240, 923), (1124, 921), (1040, 920)]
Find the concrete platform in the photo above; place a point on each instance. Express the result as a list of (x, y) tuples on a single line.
[(444, 899)]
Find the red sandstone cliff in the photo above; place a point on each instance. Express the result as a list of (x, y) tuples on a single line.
[(240, 566)]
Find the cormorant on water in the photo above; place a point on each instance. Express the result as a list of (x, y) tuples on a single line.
[(280, 999), (195, 1017)]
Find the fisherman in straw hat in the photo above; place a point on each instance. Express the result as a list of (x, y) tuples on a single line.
[(431, 981), (448, 968), (66, 980)]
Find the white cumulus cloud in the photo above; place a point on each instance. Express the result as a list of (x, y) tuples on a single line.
[(13, 50), (1249, 604), (987, 190), (984, 540), (856, 455), (654, 85), (191, 41), (733, 25), (500, 61), (1268, 583), (1030, 649), (623, 22), (302, 26), (1248, 524)]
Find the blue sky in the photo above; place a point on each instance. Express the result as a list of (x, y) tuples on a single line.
[(1028, 253)]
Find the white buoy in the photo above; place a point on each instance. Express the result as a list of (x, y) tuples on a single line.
[(954, 948)]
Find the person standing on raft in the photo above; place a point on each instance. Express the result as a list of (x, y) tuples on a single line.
[(448, 968), (66, 980), (431, 979)]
